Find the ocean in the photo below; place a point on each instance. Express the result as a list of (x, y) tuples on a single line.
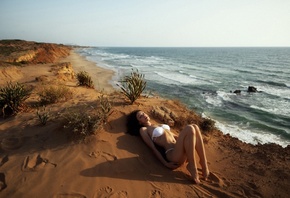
[(205, 78)]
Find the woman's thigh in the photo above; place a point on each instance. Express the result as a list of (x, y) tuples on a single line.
[(178, 154)]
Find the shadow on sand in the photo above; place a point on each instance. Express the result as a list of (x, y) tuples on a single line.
[(135, 168)]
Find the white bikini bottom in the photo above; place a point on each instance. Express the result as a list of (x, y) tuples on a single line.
[(168, 150)]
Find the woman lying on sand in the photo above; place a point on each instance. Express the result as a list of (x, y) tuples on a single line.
[(177, 149)]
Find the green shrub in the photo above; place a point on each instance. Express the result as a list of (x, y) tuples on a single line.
[(12, 97), (132, 86), (43, 115), (207, 125), (104, 108), (53, 94), (85, 121), (84, 79), (81, 124)]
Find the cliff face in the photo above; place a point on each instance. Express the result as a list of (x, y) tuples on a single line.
[(49, 53), (14, 53), (19, 51)]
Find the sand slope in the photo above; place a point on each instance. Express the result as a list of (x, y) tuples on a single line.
[(39, 161)]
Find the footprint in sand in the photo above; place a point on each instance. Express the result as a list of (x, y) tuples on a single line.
[(94, 154), (215, 179), (11, 143), (107, 156), (120, 194), (2, 182), (155, 194), (70, 195), (3, 160), (34, 162), (109, 192)]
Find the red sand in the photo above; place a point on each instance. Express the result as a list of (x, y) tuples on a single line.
[(39, 161)]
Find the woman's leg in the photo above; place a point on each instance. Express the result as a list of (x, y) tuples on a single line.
[(184, 148), (201, 151)]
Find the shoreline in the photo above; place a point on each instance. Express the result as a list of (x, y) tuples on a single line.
[(204, 102), (106, 76), (101, 77), (114, 164)]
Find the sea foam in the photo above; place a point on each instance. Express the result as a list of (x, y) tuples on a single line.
[(203, 78)]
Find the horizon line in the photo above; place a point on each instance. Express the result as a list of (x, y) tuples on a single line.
[(119, 46), (181, 46)]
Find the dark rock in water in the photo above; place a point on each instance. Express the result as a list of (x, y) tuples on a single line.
[(252, 89), (237, 91)]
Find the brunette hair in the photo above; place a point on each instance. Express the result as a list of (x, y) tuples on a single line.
[(133, 125), (133, 128)]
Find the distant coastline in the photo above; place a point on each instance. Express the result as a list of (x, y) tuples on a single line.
[(196, 72)]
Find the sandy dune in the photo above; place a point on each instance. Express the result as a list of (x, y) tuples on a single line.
[(39, 161)]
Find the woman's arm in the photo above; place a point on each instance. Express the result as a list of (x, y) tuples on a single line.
[(175, 136)]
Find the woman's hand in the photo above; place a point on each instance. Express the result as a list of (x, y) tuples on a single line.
[(172, 165)]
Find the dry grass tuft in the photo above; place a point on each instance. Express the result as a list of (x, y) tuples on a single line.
[(84, 79), (86, 121), (53, 94)]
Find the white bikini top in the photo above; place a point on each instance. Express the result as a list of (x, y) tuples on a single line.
[(158, 131)]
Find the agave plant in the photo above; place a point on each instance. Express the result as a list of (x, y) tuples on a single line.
[(12, 97), (132, 86)]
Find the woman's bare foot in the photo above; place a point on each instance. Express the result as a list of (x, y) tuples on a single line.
[(205, 173), (205, 170), (194, 174)]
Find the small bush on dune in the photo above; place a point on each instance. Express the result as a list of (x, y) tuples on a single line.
[(53, 94), (84, 79), (207, 125), (87, 120), (81, 124), (132, 86), (104, 108), (12, 98), (43, 115)]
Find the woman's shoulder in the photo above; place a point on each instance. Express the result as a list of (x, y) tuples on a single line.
[(143, 129), (144, 132)]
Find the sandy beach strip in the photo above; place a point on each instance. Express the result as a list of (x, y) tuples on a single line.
[(101, 77)]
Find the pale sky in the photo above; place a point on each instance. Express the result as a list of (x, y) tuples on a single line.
[(164, 23)]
